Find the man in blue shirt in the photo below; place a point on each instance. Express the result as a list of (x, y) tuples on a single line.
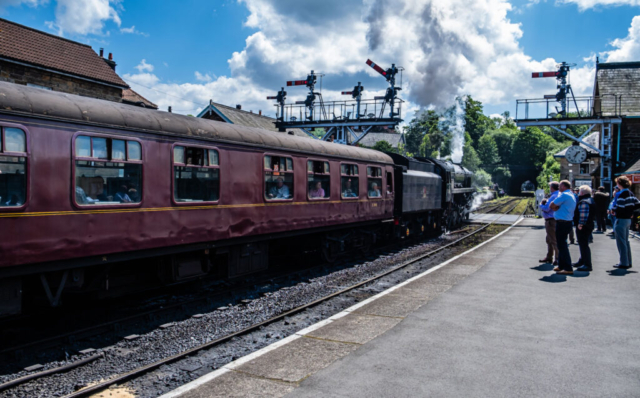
[(550, 224), (564, 206)]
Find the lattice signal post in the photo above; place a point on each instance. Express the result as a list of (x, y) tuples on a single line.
[(345, 122), (559, 121)]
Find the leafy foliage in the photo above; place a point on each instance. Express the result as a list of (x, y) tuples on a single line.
[(383, 146)]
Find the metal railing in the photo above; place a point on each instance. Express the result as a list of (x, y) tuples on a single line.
[(342, 110), (596, 106)]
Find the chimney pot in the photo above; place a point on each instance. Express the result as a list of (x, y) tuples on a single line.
[(169, 109), (239, 106), (101, 52), (260, 112), (110, 56)]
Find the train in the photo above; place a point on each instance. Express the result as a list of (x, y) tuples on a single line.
[(99, 197)]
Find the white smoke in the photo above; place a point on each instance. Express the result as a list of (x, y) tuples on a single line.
[(457, 130), (478, 199)]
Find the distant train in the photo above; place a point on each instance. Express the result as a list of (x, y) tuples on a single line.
[(101, 197)]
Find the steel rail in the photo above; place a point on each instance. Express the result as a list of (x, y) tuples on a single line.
[(144, 369)]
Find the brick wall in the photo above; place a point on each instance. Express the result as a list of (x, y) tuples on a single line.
[(629, 140), (23, 74), (572, 172)]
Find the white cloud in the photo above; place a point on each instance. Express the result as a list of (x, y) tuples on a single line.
[(143, 66), (587, 4), (84, 17), (133, 30), (13, 3), (203, 78), (628, 48)]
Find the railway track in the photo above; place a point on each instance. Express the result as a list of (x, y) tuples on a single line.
[(142, 370)]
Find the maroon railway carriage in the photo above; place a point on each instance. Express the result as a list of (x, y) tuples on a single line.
[(86, 183)]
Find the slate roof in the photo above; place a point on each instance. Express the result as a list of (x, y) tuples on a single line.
[(371, 138), (592, 139), (30, 46), (130, 96), (224, 113), (617, 89), (634, 168)]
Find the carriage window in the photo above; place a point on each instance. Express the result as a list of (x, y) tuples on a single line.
[(105, 174), (196, 175), (13, 167), (350, 187), (319, 179), (374, 182), (389, 183), (278, 178)]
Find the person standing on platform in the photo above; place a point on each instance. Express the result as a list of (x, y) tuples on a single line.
[(601, 199), (583, 219), (564, 206), (616, 191), (625, 204), (550, 224), (572, 235)]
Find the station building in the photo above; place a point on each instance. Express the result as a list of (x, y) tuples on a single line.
[(34, 58)]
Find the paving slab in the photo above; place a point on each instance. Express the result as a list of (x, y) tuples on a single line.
[(509, 329), (356, 328), (395, 305), (236, 384), (297, 360)]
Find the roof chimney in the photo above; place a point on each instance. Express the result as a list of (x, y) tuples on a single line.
[(169, 109), (112, 64), (260, 112), (239, 107), (101, 52)]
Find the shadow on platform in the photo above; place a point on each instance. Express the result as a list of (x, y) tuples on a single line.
[(620, 272)]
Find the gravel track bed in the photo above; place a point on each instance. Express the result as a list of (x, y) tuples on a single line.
[(161, 343)]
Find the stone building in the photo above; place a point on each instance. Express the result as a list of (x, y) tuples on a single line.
[(585, 173), (617, 93), (38, 59)]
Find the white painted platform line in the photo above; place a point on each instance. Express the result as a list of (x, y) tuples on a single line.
[(240, 361)]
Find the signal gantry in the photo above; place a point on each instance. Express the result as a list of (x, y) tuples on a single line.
[(346, 121)]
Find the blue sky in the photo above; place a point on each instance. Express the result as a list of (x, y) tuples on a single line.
[(240, 51)]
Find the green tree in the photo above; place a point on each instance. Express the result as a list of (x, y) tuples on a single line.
[(433, 137), (504, 140), (550, 172), (413, 136), (530, 147), (481, 178), (470, 158), (476, 123), (383, 146), (488, 150)]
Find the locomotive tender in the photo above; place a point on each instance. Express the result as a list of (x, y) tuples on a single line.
[(97, 196)]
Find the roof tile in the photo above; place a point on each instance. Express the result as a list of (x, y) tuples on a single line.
[(24, 44)]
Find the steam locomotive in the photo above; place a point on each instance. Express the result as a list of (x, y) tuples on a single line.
[(103, 198)]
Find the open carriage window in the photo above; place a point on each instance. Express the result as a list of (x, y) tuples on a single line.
[(278, 177), (13, 167), (108, 171), (196, 174), (319, 179), (374, 182), (349, 182)]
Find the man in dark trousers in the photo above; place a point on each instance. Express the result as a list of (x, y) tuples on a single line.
[(564, 206), (583, 220), (623, 209), (601, 200)]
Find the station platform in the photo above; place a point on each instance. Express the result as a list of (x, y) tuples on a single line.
[(489, 322)]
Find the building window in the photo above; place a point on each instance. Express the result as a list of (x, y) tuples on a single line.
[(196, 174), (584, 168), (319, 179), (374, 182), (349, 186), (13, 167), (389, 183), (108, 171), (278, 178)]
